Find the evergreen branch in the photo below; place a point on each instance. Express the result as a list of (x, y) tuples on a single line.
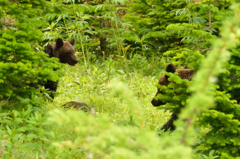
[(210, 68), (210, 21)]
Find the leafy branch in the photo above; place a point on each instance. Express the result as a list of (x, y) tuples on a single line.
[(202, 98)]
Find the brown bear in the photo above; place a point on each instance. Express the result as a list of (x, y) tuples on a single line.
[(64, 51), (183, 74)]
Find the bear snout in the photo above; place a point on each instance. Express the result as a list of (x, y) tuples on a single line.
[(156, 103), (74, 62)]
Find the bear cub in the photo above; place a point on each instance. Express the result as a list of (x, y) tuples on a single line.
[(183, 74), (64, 51)]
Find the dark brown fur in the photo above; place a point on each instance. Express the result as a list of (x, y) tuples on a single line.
[(63, 50), (184, 74), (170, 125)]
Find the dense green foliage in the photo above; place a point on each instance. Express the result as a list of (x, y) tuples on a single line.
[(23, 63), (95, 24), (223, 119), (136, 39)]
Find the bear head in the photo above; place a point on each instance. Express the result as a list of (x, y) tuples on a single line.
[(63, 50), (182, 73)]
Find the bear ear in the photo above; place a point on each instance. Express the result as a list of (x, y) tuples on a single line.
[(59, 43), (170, 68), (72, 41), (49, 51)]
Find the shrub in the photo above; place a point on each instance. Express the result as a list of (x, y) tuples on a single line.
[(23, 64)]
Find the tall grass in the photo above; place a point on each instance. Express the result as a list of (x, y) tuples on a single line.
[(89, 85), (30, 135)]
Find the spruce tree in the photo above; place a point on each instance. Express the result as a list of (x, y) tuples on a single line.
[(24, 67)]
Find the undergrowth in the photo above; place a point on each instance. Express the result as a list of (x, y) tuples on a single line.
[(27, 133), (89, 85)]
